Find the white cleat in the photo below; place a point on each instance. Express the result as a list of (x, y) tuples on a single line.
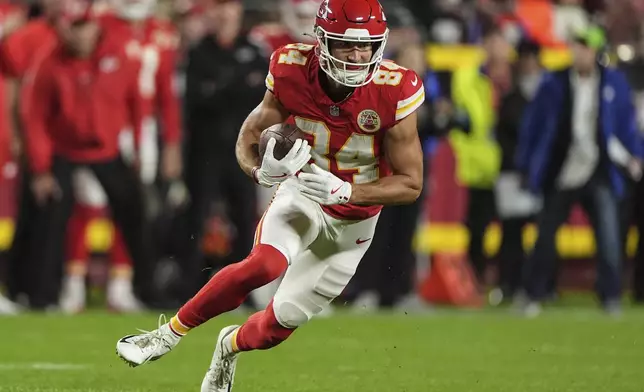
[(367, 302), (120, 296), (140, 349), (72, 299), (7, 307), (221, 374)]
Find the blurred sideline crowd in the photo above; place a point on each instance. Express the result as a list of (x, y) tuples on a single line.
[(127, 112)]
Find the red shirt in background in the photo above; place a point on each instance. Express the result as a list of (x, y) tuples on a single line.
[(271, 37), (6, 9), (153, 45), (21, 50), (18, 53), (76, 108)]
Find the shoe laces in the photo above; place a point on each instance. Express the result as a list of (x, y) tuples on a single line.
[(223, 376), (153, 339)]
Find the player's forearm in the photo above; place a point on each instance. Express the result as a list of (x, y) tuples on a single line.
[(396, 189), (246, 149)]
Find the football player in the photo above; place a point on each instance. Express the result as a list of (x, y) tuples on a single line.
[(153, 44), (360, 116)]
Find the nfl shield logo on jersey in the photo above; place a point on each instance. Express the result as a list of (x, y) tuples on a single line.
[(369, 121), (334, 111)]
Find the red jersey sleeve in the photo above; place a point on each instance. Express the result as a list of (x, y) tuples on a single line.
[(270, 79), (14, 56), (167, 96), (36, 104), (285, 63), (411, 95)]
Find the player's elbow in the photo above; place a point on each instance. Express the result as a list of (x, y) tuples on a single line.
[(413, 189), (416, 190)]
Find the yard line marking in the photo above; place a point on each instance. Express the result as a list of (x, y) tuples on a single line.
[(42, 366)]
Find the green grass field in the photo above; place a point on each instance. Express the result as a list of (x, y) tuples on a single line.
[(566, 349)]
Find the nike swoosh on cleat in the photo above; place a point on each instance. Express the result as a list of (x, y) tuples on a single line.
[(361, 241)]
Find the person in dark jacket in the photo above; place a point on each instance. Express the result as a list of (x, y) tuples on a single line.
[(575, 135), (224, 81), (515, 207)]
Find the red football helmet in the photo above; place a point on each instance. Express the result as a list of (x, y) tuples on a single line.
[(350, 21)]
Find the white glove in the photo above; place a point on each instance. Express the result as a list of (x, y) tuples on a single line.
[(323, 187), (275, 171)]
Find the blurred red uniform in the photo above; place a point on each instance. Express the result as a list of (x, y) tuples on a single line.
[(74, 108), (7, 10), (152, 45), (18, 53), (12, 17)]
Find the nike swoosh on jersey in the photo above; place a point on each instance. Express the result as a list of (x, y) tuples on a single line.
[(415, 81)]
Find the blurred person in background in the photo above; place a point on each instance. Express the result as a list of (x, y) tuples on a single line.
[(190, 23), (152, 44), (566, 153), (515, 206), (75, 104), (476, 93), (224, 80), (387, 275), (296, 17), (19, 52), (12, 17)]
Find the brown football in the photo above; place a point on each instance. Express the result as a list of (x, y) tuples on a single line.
[(285, 136)]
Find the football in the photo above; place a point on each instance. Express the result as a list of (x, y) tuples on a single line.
[(285, 136)]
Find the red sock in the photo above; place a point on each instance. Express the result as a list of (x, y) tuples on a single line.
[(230, 286), (260, 332), (119, 254), (76, 249)]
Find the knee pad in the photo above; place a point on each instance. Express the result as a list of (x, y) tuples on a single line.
[(290, 314)]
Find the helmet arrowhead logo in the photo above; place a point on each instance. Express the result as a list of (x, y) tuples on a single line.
[(324, 10)]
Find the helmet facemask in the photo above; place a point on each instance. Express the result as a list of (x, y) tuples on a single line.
[(347, 73)]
